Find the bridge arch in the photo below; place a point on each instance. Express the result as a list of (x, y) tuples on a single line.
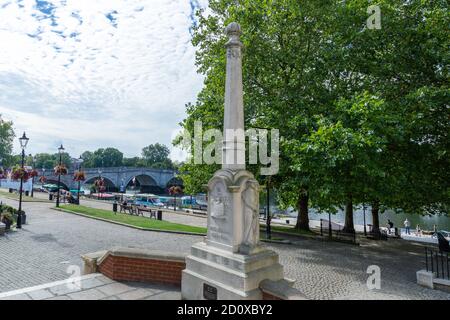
[(55, 182), (175, 181), (145, 183), (110, 186)]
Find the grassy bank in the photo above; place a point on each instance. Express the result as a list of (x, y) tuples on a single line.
[(141, 222)]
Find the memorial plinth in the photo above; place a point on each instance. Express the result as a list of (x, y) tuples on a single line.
[(231, 263)]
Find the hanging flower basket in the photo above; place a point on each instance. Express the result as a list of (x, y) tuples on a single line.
[(19, 173), (174, 190), (60, 170), (100, 185), (79, 176), (33, 173)]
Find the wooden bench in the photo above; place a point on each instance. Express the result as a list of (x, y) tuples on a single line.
[(125, 207), (141, 211)]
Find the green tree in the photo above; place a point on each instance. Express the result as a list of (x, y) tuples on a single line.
[(6, 141), (157, 156), (363, 113), (103, 157)]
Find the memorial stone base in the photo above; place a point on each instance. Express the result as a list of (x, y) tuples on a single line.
[(212, 273)]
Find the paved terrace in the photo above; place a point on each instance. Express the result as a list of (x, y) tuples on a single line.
[(52, 241)]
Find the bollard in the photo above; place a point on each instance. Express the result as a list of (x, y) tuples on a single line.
[(159, 215), (115, 206)]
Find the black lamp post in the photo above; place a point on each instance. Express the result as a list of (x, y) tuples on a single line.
[(32, 179), (268, 217), (60, 151), (23, 144), (80, 161), (364, 212), (99, 181)]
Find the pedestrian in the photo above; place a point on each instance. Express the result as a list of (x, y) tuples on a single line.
[(407, 225), (390, 226)]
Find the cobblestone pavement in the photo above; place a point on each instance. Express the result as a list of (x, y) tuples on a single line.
[(94, 287), (52, 241)]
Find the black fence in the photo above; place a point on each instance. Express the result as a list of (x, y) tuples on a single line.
[(335, 232), (437, 262)]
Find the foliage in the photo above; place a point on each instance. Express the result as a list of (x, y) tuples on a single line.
[(6, 141), (157, 156), (363, 114)]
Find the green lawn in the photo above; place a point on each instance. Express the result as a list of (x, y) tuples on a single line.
[(15, 196), (142, 222), (291, 230)]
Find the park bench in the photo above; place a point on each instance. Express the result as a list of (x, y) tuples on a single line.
[(141, 211), (126, 208)]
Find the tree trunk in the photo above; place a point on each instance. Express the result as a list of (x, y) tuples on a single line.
[(303, 218), (349, 226), (375, 217)]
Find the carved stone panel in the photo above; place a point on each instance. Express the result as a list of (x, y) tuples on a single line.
[(220, 213)]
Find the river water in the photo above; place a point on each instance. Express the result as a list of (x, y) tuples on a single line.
[(426, 222)]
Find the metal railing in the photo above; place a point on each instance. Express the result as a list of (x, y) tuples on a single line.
[(334, 232), (437, 262)]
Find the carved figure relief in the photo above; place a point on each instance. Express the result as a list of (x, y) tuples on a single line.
[(251, 214)]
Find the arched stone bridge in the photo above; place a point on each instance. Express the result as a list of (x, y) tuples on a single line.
[(148, 179)]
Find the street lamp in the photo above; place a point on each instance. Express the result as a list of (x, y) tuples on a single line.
[(60, 151), (99, 179), (268, 217), (23, 144), (33, 159), (364, 212), (80, 161)]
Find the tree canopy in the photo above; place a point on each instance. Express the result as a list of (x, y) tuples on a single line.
[(363, 113), (6, 141)]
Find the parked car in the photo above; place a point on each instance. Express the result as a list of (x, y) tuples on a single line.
[(148, 200)]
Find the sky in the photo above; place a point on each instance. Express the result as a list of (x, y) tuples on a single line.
[(103, 73)]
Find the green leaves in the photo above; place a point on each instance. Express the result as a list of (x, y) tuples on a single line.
[(360, 111), (6, 139)]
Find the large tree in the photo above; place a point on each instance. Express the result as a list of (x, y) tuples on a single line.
[(363, 113), (102, 158), (6, 141), (157, 156)]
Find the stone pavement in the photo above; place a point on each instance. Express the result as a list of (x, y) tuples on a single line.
[(94, 287), (52, 242)]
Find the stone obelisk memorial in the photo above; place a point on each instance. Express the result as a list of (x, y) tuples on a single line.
[(231, 263)]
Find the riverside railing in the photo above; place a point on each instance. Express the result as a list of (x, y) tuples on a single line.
[(437, 262)]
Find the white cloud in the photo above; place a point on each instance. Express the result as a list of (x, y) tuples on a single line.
[(96, 73)]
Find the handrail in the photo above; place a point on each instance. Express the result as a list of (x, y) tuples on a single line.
[(438, 262)]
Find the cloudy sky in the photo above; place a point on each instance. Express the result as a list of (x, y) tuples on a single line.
[(97, 73)]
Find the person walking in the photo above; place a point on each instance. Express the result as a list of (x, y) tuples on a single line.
[(407, 225)]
